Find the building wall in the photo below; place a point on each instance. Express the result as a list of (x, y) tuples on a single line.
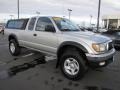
[(118, 23), (111, 21)]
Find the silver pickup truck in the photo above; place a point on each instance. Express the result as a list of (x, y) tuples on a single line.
[(74, 49)]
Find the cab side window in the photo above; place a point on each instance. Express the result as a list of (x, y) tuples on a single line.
[(42, 23), (19, 24), (31, 24)]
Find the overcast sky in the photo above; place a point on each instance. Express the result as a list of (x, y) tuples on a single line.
[(82, 9)]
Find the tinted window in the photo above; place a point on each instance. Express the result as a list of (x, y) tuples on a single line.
[(17, 24), (42, 23), (31, 24)]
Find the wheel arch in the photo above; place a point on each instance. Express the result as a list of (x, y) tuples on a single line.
[(69, 44), (13, 36)]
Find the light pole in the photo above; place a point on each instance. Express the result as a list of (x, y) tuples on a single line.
[(91, 20), (38, 13), (69, 10), (98, 18), (63, 16), (11, 16), (18, 7)]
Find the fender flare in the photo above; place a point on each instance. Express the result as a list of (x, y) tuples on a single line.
[(69, 43), (13, 36)]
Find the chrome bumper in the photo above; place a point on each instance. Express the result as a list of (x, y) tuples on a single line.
[(101, 57)]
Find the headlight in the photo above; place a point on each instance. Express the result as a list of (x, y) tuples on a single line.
[(99, 47)]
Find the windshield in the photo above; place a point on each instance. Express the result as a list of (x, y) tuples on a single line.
[(65, 24)]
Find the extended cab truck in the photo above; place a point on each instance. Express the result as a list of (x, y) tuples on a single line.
[(74, 49)]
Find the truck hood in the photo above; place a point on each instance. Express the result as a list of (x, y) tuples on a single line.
[(88, 35)]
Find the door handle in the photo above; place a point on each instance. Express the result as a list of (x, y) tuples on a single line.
[(34, 34)]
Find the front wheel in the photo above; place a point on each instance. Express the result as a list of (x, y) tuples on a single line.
[(14, 48), (73, 65)]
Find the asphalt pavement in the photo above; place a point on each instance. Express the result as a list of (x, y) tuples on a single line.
[(32, 71)]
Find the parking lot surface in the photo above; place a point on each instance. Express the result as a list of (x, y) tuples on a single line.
[(30, 71)]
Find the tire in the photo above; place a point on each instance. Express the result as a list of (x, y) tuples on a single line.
[(78, 64), (14, 48)]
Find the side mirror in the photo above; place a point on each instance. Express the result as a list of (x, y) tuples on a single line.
[(49, 28)]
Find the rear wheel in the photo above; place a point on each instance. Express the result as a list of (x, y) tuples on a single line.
[(73, 65), (14, 48)]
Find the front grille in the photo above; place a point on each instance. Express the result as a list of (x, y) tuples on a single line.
[(110, 45), (116, 41)]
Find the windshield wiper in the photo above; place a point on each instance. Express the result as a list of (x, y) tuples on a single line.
[(65, 30)]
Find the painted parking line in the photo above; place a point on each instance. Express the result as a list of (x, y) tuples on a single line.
[(27, 55), (2, 63), (4, 45), (49, 58), (4, 74)]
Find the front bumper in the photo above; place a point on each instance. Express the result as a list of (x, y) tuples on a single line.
[(105, 58)]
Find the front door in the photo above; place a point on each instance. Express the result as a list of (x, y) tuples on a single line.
[(45, 40)]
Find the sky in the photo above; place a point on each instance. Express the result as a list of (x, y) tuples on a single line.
[(81, 9)]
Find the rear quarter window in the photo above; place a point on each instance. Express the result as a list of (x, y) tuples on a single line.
[(17, 24)]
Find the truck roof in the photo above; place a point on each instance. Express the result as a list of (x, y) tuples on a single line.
[(44, 16), (33, 17)]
